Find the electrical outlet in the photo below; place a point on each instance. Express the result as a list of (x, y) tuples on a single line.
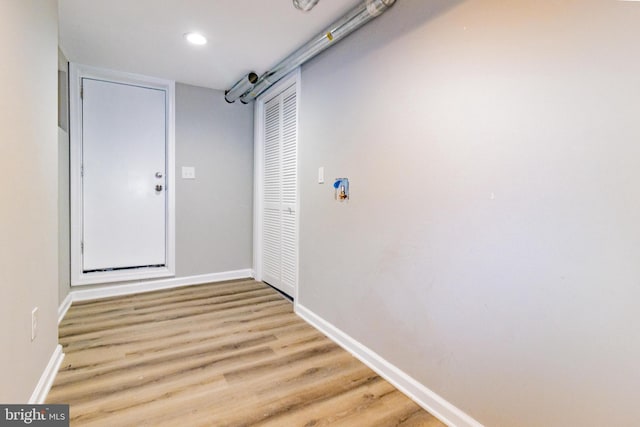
[(34, 323)]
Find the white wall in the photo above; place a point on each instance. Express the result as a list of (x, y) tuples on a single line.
[(29, 194), (490, 248)]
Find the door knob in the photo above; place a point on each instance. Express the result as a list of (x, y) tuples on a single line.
[(158, 174), (158, 187)]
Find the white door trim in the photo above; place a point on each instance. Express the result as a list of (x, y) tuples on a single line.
[(258, 153), (76, 73)]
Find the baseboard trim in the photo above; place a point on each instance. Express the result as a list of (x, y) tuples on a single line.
[(436, 405), (48, 375), (64, 307), (155, 285)]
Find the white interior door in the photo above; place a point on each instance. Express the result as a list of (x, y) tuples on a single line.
[(280, 195), (123, 176)]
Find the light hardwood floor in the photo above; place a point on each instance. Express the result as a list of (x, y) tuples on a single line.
[(225, 354)]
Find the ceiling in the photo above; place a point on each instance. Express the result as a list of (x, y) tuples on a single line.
[(146, 36)]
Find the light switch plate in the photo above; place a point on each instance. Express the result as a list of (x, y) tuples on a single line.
[(188, 172), (321, 175)]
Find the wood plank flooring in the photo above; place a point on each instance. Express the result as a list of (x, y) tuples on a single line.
[(223, 354)]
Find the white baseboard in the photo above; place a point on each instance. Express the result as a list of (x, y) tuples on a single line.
[(64, 307), (436, 405), (155, 285), (46, 379)]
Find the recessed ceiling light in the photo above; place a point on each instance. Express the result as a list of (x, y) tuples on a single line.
[(195, 38)]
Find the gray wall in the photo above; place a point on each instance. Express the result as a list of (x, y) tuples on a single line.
[(29, 213), (490, 248), (64, 255), (214, 212)]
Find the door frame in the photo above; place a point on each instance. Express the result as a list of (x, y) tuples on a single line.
[(258, 170), (76, 73)]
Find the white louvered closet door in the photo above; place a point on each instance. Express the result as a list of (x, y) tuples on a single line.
[(279, 222)]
